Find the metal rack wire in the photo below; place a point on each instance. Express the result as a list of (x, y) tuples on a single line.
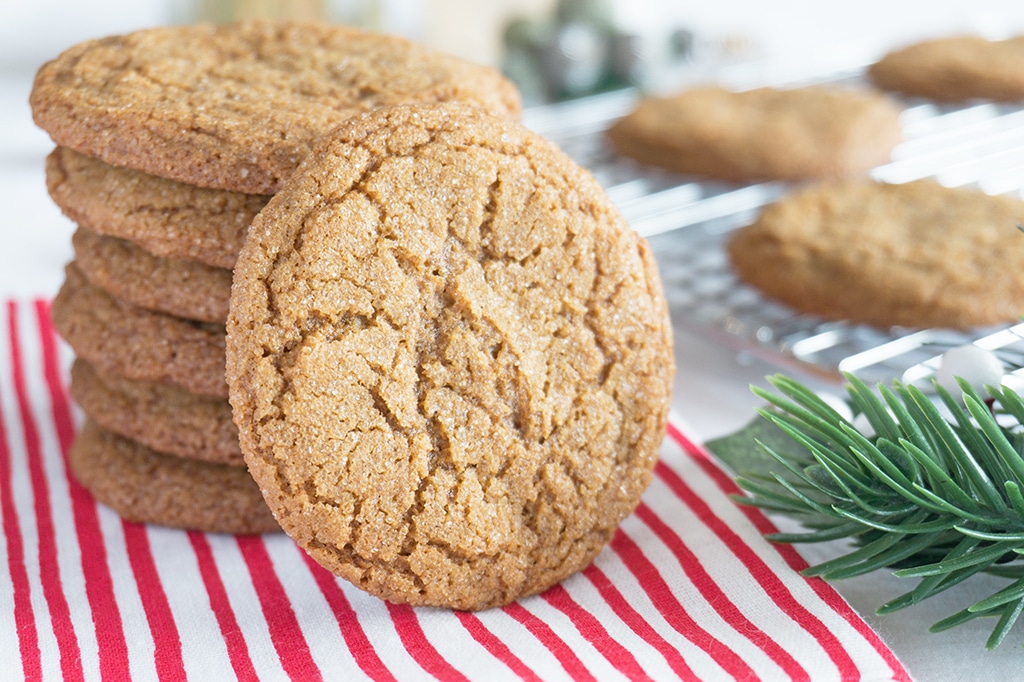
[(979, 144)]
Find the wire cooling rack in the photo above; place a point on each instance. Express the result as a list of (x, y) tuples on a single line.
[(977, 144)]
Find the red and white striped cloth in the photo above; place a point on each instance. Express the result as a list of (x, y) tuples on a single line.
[(688, 589)]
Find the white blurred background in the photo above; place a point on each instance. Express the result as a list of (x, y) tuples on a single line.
[(791, 29)]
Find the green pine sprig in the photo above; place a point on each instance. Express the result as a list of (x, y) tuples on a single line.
[(933, 489)]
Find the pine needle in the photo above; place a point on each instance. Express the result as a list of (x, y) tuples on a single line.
[(932, 497)]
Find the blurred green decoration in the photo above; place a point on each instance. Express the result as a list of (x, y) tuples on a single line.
[(580, 51), (226, 11)]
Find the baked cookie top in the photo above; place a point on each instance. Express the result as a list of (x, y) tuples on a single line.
[(761, 134), (450, 359), (917, 254), (237, 106), (167, 218), (955, 69)]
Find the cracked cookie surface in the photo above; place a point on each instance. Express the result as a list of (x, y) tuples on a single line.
[(237, 106), (449, 358)]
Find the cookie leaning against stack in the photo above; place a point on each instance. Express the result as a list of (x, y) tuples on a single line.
[(168, 142), (449, 358)]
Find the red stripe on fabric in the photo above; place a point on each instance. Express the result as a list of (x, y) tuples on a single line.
[(99, 583), (716, 596), (24, 622), (289, 641), (359, 644), (672, 610), (419, 647), (49, 571), (167, 654), (234, 640), (637, 623), (551, 641), (595, 633), (61, 403), (769, 581), (497, 648), (793, 559)]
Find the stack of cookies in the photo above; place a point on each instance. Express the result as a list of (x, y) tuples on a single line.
[(442, 354), (143, 305), (170, 141)]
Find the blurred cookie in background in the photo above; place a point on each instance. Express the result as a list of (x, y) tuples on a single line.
[(955, 69), (762, 134)]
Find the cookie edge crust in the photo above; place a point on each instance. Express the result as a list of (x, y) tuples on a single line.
[(132, 480)]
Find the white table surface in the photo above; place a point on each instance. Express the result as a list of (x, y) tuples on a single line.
[(712, 396)]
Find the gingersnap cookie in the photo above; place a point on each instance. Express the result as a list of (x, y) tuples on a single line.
[(955, 69), (124, 339), (167, 218), (761, 134), (128, 272), (450, 358), (237, 106), (159, 416), (915, 255), (144, 486)]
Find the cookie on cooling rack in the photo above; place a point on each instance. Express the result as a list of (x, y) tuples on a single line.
[(915, 255), (162, 417), (955, 69), (124, 339), (145, 486), (237, 106), (761, 134), (450, 358)]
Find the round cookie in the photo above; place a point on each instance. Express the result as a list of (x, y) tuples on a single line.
[(123, 339), (167, 218), (237, 106), (761, 134), (177, 287), (450, 358), (915, 255), (144, 486), (955, 69), (159, 416)]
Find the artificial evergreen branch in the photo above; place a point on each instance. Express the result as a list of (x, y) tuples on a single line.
[(931, 488)]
